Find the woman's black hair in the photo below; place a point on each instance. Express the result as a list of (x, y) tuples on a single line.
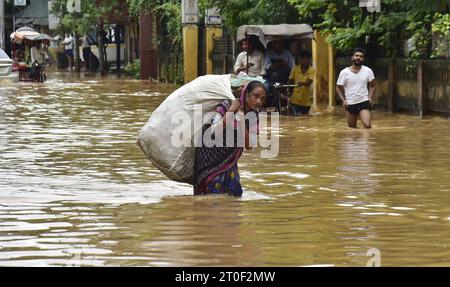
[(251, 86)]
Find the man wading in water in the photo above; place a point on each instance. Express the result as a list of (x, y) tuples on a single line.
[(352, 89)]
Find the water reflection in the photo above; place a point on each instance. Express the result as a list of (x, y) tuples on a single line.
[(356, 162)]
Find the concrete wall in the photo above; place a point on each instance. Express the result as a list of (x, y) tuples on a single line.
[(320, 49)]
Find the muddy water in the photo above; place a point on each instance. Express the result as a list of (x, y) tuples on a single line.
[(75, 189)]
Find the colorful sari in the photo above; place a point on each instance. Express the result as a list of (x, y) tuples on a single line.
[(216, 170)]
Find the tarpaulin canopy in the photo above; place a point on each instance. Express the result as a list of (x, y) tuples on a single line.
[(43, 37), (269, 33), (25, 33), (28, 34)]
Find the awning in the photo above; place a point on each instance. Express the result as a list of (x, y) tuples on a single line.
[(27, 33), (34, 14), (269, 33)]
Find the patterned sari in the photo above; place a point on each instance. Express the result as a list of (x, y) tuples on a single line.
[(216, 170)]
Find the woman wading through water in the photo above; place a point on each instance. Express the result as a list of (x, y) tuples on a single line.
[(215, 168)]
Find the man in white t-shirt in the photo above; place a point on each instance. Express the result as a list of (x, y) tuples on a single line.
[(37, 54), (255, 66), (352, 88), (68, 49)]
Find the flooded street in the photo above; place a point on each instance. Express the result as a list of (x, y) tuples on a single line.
[(76, 190)]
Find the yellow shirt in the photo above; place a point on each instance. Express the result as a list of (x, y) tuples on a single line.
[(302, 95)]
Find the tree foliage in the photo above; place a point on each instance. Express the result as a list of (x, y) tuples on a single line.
[(441, 26), (240, 12), (169, 14), (86, 20), (348, 26)]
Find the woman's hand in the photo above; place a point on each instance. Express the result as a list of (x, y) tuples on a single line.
[(235, 105)]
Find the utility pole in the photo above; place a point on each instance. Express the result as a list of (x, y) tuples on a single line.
[(189, 19), (2, 24), (101, 51), (117, 40), (147, 46)]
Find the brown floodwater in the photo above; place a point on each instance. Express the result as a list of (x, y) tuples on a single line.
[(76, 190)]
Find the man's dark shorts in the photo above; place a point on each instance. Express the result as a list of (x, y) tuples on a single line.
[(69, 52), (356, 108)]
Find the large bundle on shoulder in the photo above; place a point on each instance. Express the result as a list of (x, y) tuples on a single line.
[(156, 137)]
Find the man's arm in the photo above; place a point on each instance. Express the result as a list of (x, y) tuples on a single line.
[(340, 88), (372, 90), (261, 64), (341, 93), (291, 77), (238, 65)]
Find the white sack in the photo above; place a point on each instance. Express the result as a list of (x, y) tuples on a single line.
[(155, 138)]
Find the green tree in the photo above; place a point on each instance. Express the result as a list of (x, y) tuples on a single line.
[(169, 14), (441, 26), (240, 12), (93, 15), (170, 34), (348, 25)]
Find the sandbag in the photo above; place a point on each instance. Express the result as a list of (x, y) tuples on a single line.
[(155, 138)]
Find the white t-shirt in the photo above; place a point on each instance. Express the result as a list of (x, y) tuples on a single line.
[(256, 58), (68, 43), (355, 85), (37, 55), (85, 43)]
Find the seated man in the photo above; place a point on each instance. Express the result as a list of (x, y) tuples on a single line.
[(278, 65), (37, 60), (255, 65), (37, 54)]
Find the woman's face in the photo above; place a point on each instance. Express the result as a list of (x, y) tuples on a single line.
[(255, 100)]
